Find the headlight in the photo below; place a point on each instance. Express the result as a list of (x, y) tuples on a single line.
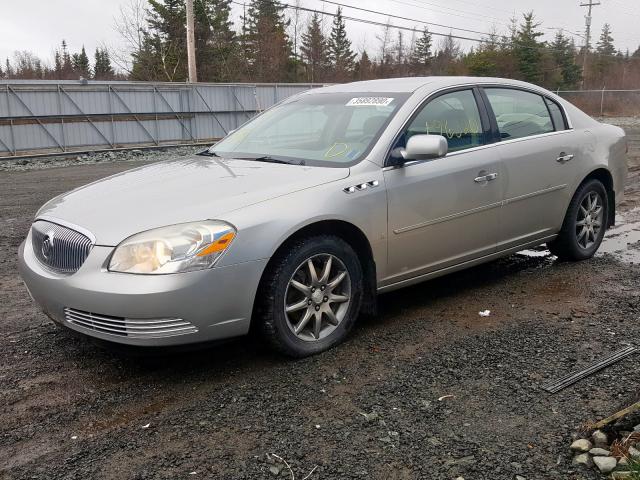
[(178, 248)]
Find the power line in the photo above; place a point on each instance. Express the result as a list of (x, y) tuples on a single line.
[(402, 18), (487, 41), (498, 20), (484, 5)]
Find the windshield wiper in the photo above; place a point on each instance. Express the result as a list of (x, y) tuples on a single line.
[(270, 159)]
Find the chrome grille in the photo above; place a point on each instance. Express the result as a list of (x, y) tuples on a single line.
[(127, 327), (59, 248)]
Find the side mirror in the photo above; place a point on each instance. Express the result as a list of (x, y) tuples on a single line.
[(425, 147)]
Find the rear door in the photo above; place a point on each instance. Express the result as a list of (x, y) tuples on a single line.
[(444, 211), (540, 159)]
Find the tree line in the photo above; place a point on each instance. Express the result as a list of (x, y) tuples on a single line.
[(66, 66), (274, 43)]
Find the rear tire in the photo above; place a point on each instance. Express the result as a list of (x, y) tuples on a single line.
[(584, 224), (311, 296)]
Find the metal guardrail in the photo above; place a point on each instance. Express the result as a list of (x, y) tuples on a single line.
[(57, 117), (43, 117)]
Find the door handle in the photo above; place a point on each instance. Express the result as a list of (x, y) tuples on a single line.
[(564, 157), (486, 178)]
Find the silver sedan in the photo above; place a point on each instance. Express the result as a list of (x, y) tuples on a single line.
[(295, 221)]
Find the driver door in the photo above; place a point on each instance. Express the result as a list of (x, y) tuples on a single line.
[(445, 211)]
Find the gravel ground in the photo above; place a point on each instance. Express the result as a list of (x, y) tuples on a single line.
[(93, 158), (427, 389)]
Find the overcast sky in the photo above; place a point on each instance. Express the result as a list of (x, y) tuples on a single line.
[(39, 25)]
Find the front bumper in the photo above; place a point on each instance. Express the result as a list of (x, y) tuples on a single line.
[(218, 302)]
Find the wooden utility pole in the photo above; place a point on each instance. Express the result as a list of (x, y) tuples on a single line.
[(191, 43), (587, 21)]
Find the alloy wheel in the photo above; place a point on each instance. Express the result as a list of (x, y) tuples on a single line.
[(317, 297), (590, 219)]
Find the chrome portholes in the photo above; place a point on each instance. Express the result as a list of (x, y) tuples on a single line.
[(361, 186)]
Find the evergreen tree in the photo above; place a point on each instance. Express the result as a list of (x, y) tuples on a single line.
[(564, 53), (605, 52), (528, 50), (421, 55), (266, 45), (220, 59), (63, 66), (341, 56), (102, 69), (165, 40), (364, 67), (57, 64), (486, 60), (8, 71), (67, 66), (80, 64), (314, 50), (605, 45), (162, 55)]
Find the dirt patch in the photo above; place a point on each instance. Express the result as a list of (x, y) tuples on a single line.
[(219, 411)]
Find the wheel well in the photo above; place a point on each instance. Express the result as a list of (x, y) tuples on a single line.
[(355, 238), (604, 176)]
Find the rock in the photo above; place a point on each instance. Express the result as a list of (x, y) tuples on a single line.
[(370, 417), (599, 452), (136, 152), (582, 459), (434, 441), (623, 462), (581, 445), (636, 428), (634, 452), (274, 470), (520, 477), (605, 464), (599, 438)]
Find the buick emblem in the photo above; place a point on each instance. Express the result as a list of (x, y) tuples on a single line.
[(47, 245)]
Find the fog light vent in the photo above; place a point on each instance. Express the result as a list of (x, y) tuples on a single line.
[(129, 327)]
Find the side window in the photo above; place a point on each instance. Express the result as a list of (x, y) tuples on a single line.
[(556, 115), (519, 113), (453, 115)]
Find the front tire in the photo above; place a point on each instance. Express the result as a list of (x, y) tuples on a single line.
[(584, 224), (312, 294)]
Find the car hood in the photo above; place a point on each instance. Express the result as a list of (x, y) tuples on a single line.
[(184, 190)]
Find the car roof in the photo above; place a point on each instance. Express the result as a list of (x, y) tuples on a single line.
[(411, 84)]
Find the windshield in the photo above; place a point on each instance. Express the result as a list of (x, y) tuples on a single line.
[(327, 129)]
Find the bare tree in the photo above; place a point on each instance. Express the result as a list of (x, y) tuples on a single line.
[(130, 23), (385, 49)]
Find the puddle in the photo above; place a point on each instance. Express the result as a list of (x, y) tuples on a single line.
[(623, 240)]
